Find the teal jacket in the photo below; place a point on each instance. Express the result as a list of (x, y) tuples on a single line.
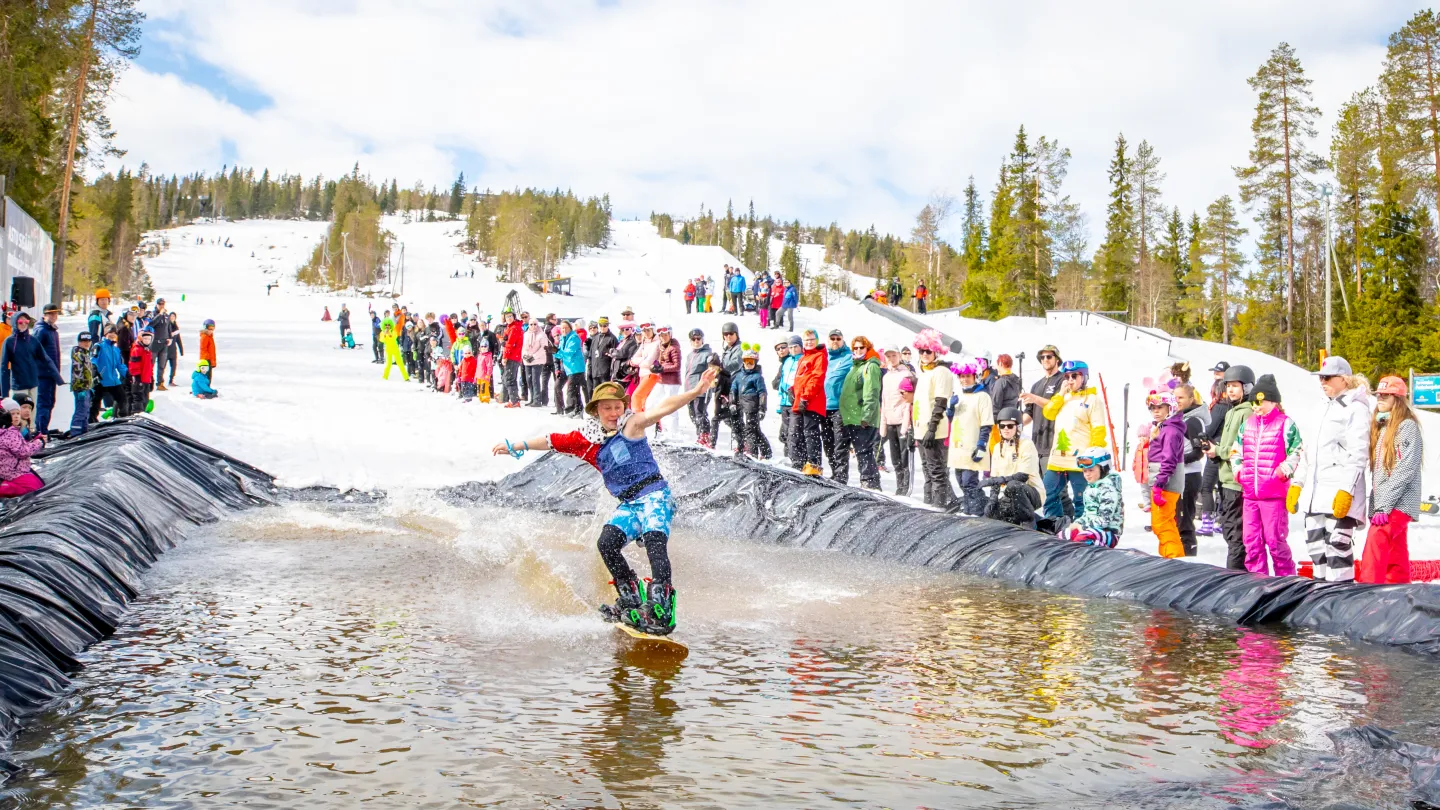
[(840, 362)]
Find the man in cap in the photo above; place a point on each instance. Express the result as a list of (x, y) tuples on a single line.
[(613, 441), (160, 325), (1338, 455), (49, 337), (24, 363), (1033, 404)]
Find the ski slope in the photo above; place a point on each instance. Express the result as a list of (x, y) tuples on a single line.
[(295, 404)]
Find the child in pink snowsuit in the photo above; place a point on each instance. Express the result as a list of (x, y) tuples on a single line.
[(1265, 456), (16, 477)]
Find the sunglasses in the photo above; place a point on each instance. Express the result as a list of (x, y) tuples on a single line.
[(926, 351), (1008, 426), (1074, 375), (1046, 356), (1327, 377)]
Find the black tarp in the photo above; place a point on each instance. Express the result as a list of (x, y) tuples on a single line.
[(71, 555), (768, 504)]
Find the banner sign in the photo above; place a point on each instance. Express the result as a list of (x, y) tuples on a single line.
[(1425, 390), (25, 250)]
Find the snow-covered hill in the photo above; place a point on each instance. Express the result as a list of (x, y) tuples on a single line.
[(297, 405)]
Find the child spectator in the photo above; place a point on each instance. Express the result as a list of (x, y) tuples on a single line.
[(1266, 457), (110, 364), (16, 477), (142, 372), (1165, 469), (200, 384), (468, 365), (1102, 517), (207, 348), (747, 390), (484, 370), (83, 380)]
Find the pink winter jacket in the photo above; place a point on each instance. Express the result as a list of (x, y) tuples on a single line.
[(1269, 453), (15, 452)]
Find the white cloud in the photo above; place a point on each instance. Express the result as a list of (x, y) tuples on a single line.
[(813, 109)]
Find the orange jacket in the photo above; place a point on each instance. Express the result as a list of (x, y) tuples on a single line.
[(207, 347), (810, 380)]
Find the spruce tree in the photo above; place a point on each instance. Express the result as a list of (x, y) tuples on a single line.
[(1411, 81), (1280, 161), (1116, 258), (1221, 240), (1194, 306), (1388, 330)]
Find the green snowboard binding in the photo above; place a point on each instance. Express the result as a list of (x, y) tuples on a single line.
[(631, 598), (658, 616)]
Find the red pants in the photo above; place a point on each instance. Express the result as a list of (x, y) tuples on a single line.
[(1386, 558), (29, 482)]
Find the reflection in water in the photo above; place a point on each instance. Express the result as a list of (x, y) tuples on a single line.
[(303, 657), (636, 723)]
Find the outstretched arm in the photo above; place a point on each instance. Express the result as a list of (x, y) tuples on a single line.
[(636, 425), (503, 449)]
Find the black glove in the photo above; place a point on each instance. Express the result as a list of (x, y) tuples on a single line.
[(930, 442), (1020, 478), (978, 455)]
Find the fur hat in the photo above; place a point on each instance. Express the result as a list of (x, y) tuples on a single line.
[(929, 340)]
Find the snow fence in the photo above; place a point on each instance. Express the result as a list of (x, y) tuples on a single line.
[(71, 555), (772, 505)]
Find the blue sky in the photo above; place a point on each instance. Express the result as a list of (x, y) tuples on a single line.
[(838, 111)]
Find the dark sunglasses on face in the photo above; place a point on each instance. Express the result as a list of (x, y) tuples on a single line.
[(1008, 425), (1327, 377), (1046, 356)]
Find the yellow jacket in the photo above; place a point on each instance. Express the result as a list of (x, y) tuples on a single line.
[(1008, 459), (1079, 418)]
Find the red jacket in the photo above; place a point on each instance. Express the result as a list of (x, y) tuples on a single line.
[(669, 360), (810, 380), (690, 291), (514, 340), (142, 363), (467, 369)]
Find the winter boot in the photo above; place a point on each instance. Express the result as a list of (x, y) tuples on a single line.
[(1208, 526), (627, 607), (811, 469), (658, 616)]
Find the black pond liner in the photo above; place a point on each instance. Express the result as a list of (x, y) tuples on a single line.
[(767, 504), (72, 554)]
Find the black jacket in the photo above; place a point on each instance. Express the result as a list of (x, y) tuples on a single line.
[(1042, 429), (160, 325), (600, 353), (620, 366)]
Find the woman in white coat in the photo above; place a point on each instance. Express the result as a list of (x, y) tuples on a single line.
[(1333, 498)]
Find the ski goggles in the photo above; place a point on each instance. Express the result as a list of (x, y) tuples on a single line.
[(1086, 462), (1157, 400)]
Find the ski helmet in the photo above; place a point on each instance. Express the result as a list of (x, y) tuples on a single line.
[(749, 351), (1094, 457), (208, 323), (1240, 374), (202, 366), (1161, 396), (730, 328), (1008, 415), (696, 334)]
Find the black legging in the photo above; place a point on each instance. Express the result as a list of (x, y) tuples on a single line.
[(1209, 483), (570, 393), (612, 540)]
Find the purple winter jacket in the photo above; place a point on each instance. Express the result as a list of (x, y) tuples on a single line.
[(1166, 467), (15, 452)]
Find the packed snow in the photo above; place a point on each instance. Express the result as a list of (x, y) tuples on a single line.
[(297, 405)]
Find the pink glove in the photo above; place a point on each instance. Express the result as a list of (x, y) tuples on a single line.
[(1157, 496), (1379, 518)]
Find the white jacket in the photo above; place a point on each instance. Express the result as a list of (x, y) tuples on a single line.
[(1339, 452)]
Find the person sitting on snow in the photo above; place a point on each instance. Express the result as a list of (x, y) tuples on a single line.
[(200, 382), (1102, 519)]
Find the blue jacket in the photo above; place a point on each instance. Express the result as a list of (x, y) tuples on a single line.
[(110, 364), (49, 338), (748, 383), (571, 354), (23, 363), (840, 362), (199, 385), (737, 283), (792, 297), (96, 324), (787, 382)]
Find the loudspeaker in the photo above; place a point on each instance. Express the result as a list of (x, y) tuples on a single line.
[(22, 291)]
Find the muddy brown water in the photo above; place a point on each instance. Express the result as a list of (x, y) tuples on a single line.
[(420, 655)]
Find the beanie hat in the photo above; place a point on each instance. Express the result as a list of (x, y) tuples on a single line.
[(1266, 389), (796, 341)]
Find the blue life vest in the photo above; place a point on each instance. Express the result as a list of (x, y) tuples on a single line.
[(625, 463)]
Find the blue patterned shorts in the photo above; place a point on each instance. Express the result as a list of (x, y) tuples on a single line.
[(652, 512)]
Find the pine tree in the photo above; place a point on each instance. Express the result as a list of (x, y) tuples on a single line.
[(1388, 328), (1354, 156), (1221, 239), (1194, 304), (1116, 258), (457, 196), (1172, 258), (1280, 161), (1411, 81)]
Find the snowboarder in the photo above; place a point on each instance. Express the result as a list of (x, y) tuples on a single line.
[(613, 441)]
